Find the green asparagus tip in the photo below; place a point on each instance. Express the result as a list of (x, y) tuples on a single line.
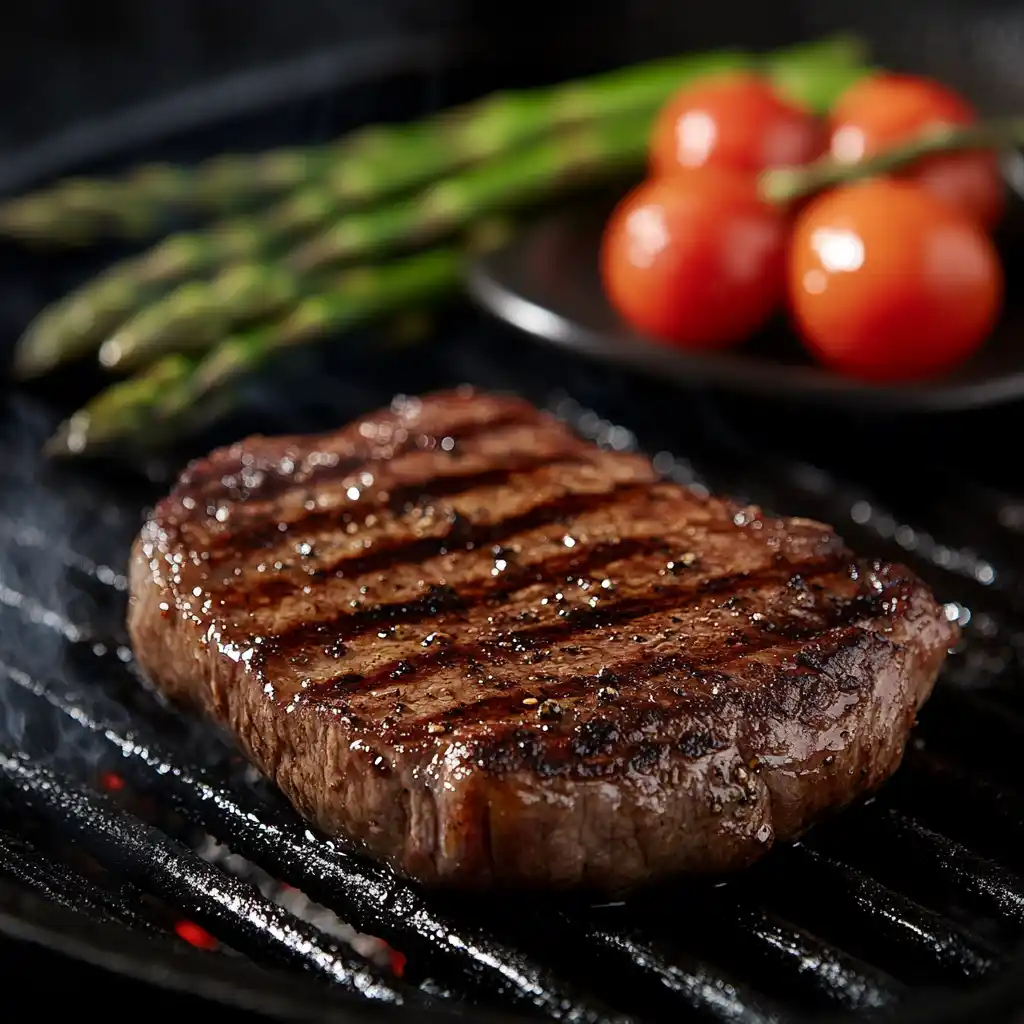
[(31, 361), (70, 438)]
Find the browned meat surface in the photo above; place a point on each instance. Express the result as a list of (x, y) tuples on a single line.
[(492, 653)]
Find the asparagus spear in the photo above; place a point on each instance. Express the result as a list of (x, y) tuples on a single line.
[(179, 391), (73, 326), (543, 170), (197, 314)]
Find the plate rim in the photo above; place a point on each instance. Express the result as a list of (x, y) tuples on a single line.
[(689, 371)]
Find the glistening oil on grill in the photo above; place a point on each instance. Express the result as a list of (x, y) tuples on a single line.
[(915, 889)]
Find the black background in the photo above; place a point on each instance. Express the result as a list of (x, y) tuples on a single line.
[(62, 61)]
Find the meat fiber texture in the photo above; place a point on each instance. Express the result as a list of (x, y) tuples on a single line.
[(490, 653)]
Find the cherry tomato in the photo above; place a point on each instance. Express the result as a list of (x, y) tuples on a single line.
[(881, 110), (697, 259), (889, 283), (735, 120)]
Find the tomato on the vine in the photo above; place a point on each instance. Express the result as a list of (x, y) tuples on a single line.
[(889, 283), (733, 120), (697, 259), (887, 108)]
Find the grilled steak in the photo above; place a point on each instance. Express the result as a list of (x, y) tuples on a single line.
[(490, 652)]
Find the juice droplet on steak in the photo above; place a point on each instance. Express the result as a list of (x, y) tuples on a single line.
[(549, 710), (347, 681), (687, 560), (436, 639)]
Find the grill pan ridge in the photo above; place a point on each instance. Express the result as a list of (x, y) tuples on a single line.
[(910, 907)]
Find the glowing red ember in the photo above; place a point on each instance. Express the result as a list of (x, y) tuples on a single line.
[(195, 936), (397, 961), (111, 782)]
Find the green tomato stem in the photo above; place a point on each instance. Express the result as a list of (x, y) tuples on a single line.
[(785, 185)]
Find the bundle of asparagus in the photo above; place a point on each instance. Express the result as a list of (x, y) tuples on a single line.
[(296, 270)]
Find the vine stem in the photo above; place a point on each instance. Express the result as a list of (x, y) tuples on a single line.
[(785, 185)]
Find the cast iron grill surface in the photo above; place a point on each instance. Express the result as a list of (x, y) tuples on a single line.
[(107, 794), (131, 834)]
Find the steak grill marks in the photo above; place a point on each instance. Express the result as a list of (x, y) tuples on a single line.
[(270, 479), (346, 625), (495, 652), (466, 536), (635, 671), (265, 529), (462, 534)]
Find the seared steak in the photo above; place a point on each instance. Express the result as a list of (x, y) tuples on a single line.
[(490, 652)]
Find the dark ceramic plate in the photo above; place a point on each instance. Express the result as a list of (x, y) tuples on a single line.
[(546, 283)]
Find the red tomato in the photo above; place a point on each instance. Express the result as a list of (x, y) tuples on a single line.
[(881, 110), (697, 259), (735, 120), (889, 283)]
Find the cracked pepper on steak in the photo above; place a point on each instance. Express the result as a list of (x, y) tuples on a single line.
[(492, 653)]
